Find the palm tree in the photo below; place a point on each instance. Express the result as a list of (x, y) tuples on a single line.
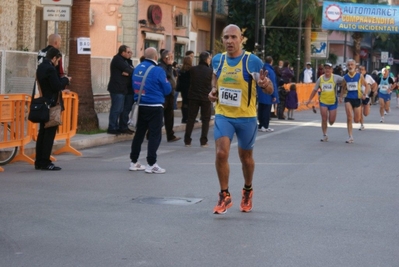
[(80, 68), (311, 16), (357, 38)]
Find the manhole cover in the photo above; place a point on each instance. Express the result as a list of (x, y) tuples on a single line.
[(167, 200)]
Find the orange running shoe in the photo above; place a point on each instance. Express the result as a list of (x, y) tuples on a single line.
[(223, 204), (246, 201)]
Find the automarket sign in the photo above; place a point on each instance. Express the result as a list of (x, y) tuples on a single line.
[(360, 17)]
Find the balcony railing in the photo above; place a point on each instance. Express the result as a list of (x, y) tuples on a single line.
[(205, 7)]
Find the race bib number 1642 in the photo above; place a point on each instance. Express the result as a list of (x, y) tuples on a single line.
[(230, 96)]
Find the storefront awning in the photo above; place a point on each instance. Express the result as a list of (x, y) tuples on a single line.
[(182, 40), (154, 36)]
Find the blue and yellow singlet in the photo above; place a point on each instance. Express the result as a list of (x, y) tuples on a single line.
[(353, 86), (233, 87)]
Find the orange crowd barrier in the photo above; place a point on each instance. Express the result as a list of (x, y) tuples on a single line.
[(304, 90), (16, 130), (69, 124)]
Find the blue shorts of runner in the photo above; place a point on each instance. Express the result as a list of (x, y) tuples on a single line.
[(244, 128), (386, 97), (355, 102), (330, 107), (366, 101)]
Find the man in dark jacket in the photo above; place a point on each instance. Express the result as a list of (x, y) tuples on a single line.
[(127, 107), (121, 73), (200, 86), (51, 86), (166, 64)]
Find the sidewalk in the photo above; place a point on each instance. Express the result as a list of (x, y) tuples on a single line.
[(82, 141)]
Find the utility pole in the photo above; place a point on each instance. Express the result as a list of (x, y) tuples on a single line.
[(264, 30), (256, 48), (213, 26), (298, 63)]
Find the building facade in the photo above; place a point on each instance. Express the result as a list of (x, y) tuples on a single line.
[(178, 26)]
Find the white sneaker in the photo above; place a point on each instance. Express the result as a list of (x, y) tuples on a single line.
[(263, 129), (350, 140), (382, 119), (136, 166), (385, 113), (269, 130), (154, 169), (361, 128), (324, 138)]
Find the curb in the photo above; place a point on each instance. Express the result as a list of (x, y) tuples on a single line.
[(82, 141)]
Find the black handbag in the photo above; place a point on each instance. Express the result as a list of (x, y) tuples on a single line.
[(39, 108)]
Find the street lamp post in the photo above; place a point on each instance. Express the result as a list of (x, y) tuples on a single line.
[(213, 26), (256, 48), (298, 63), (346, 36), (264, 29)]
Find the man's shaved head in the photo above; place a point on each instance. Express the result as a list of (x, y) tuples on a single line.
[(151, 53)]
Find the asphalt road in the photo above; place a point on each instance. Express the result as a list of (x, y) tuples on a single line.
[(315, 204)]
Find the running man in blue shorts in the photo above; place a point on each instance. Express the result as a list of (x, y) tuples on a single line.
[(327, 83), (385, 85), (235, 74), (352, 86)]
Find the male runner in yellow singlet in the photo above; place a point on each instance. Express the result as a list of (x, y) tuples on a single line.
[(235, 74)]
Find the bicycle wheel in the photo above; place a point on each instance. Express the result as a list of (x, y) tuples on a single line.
[(6, 154)]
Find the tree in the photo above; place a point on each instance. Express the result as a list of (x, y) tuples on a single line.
[(80, 67), (242, 13), (280, 41), (311, 16)]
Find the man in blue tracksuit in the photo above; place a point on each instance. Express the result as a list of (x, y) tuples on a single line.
[(265, 101), (150, 118)]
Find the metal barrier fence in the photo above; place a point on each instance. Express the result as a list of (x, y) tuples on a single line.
[(100, 72), (18, 70)]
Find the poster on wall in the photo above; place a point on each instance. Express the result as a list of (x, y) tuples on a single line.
[(360, 17), (319, 45)]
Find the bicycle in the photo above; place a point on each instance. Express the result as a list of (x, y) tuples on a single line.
[(6, 154)]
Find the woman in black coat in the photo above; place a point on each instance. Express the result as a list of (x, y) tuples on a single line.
[(51, 86)]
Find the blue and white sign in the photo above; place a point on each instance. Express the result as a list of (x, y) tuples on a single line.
[(319, 44), (360, 17), (57, 13), (84, 46)]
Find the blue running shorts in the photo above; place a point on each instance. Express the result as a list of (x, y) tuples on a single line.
[(244, 128), (386, 97), (330, 107)]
